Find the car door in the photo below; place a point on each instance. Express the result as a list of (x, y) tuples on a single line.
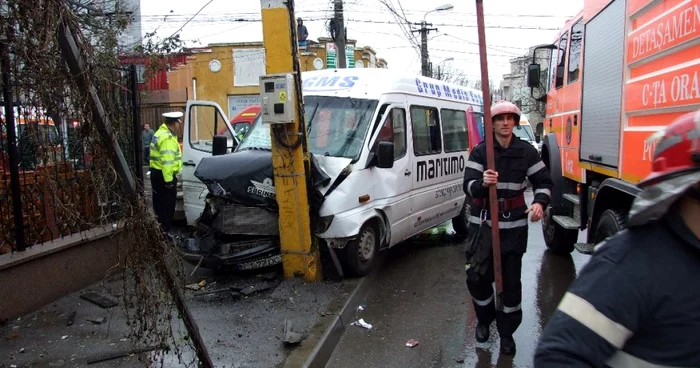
[(202, 120), (394, 185)]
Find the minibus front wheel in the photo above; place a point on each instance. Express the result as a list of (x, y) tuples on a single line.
[(361, 253)]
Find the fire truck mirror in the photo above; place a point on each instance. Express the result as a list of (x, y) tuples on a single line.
[(533, 75)]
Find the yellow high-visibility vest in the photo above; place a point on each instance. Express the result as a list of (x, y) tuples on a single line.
[(165, 153)]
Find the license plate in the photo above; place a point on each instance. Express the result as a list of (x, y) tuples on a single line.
[(261, 263)]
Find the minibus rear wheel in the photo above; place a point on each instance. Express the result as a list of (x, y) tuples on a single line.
[(361, 253)]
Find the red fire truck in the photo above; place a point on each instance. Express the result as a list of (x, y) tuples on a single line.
[(620, 71)]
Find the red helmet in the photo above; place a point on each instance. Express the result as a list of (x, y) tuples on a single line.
[(504, 107), (675, 168)]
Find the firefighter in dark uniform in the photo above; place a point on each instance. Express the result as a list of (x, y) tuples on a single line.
[(165, 163), (637, 301), (516, 161)]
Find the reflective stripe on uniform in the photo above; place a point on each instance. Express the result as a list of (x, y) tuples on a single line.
[(502, 224), (535, 168), (625, 360), (586, 314), (544, 191), (469, 188), (483, 303), (476, 166), (512, 186), (512, 309)]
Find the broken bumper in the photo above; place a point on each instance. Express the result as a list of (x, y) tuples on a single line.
[(241, 255)]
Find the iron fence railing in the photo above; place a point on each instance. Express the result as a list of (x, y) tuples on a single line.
[(55, 176)]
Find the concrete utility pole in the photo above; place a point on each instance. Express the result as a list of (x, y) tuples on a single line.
[(426, 68), (340, 37), (290, 157), (424, 58)]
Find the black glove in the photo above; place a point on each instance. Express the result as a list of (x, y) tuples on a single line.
[(479, 252)]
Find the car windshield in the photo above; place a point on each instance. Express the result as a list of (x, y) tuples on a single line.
[(335, 126), (524, 132)]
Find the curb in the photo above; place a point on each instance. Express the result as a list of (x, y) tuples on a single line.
[(317, 348)]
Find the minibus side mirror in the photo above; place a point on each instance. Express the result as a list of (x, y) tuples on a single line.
[(385, 155), (537, 138), (219, 145)]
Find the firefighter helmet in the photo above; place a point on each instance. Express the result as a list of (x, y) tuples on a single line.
[(675, 169), (504, 107)]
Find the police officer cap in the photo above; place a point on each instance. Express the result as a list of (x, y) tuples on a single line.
[(172, 117)]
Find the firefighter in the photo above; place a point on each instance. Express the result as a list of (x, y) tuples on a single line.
[(636, 303), (165, 164), (516, 161)]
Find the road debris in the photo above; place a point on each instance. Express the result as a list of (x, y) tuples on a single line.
[(290, 337), (361, 307), (361, 323), (411, 343), (97, 320), (99, 300)]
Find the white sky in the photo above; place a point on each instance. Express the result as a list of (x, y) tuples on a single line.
[(371, 24)]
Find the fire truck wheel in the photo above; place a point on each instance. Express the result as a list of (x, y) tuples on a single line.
[(361, 253), (610, 222), (558, 239), (461, 222)]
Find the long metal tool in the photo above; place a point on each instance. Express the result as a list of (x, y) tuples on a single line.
[(490, 159)]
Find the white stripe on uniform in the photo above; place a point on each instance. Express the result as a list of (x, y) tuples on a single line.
[(585, 313)]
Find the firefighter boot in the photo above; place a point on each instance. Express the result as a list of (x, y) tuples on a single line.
[(507, 345), (482, 332)]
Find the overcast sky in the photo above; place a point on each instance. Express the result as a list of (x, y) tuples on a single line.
[(372, 24)]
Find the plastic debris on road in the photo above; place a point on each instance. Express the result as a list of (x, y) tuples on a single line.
[(411, 343), (361, 323)]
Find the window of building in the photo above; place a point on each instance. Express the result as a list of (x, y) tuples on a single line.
[(575, 51), (426, 130), (454, 125)]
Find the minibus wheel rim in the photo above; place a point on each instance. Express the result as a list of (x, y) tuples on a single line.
[(366, 245)]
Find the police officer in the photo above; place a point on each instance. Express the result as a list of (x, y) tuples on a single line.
[(637, 302), (516, 161), (165, 164)]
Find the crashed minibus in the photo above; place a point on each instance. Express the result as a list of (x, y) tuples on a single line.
[(365, 199)]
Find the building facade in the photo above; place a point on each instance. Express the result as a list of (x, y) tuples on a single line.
[(228, 73), (515, 89)]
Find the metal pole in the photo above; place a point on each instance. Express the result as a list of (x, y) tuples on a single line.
[(13, 158), (490, 160), (424, 49), (138, 130), (340, 36)]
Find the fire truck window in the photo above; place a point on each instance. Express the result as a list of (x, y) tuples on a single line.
[(562, 60), (426, 130), (575, 51), (454, 125)]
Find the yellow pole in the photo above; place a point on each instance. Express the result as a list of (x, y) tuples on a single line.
[(300, 256)]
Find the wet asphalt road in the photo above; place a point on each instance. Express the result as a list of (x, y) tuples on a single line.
[(420, 293)]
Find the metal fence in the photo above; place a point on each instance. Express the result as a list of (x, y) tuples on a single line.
[(55, 178)]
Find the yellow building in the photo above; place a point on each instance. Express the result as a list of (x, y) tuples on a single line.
[(228, 74)]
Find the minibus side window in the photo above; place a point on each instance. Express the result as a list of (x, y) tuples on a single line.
[(454, 130), (394, 130), (426, 130)]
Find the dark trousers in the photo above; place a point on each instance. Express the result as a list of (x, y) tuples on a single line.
[(146, 154), (164, 199), (482, 288)]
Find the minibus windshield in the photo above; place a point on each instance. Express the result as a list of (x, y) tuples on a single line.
[(335, 126)]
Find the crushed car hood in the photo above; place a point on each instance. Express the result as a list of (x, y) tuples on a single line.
[(246, 177)]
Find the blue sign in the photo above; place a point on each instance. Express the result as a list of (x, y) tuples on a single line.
[(439, 90)]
